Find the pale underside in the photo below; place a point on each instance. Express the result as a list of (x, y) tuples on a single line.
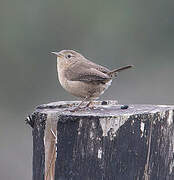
[(83, 89)]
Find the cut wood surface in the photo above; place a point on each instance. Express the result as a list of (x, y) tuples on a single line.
[(105, 143)]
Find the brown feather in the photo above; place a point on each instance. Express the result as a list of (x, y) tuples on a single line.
[(120, 69), (86, 72)]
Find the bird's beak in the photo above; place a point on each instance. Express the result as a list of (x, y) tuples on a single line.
[(58, 54)]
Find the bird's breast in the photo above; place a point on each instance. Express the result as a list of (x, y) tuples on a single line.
[(61, 76)]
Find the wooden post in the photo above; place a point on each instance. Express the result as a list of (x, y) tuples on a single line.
[(106, 143)]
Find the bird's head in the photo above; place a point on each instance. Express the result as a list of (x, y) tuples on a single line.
[(68, 56)]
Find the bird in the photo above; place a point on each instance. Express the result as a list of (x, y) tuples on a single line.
[(82, 77)]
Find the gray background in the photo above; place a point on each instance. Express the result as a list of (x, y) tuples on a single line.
[(111, 33)]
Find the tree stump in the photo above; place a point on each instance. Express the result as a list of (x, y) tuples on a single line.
[(105, 143)]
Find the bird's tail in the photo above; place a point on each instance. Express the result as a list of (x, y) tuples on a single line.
[(114, 72)]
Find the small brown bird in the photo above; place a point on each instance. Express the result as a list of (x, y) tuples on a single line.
[(83, 78)]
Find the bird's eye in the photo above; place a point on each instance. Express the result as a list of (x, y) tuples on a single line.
[(69, 56)]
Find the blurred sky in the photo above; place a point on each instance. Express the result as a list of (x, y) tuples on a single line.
[(112, 33)]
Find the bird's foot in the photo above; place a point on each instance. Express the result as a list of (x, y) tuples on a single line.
[(86, 108), (90, 108), (76, 109)]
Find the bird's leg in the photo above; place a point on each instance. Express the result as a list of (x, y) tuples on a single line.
[(90, 104), (78, 107), (82, 102)]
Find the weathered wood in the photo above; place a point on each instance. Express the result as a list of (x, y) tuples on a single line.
[(106, 143)]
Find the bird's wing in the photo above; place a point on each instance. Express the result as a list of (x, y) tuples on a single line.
[(85, 72), (97, 66)]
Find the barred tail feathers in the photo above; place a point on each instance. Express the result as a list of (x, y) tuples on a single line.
[(114, 72)]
